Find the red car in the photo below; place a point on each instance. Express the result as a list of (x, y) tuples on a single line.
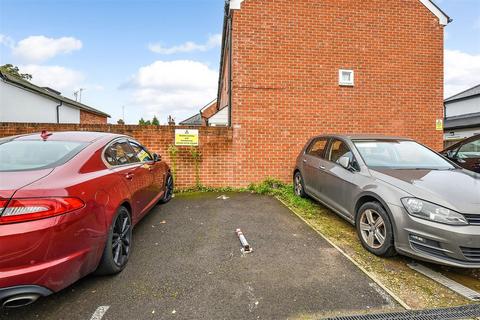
[(68, 203), (465, 153)]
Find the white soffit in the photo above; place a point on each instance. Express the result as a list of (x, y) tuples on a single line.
[(443, 19)]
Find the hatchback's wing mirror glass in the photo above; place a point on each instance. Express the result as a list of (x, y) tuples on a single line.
[(344, 162)]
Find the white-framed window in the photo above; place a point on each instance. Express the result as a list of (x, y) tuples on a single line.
[(345, 77)]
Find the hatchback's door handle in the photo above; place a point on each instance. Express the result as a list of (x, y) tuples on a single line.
[(322, 167), (129, 176)]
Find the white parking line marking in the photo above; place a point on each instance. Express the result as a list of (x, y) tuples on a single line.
[(253, 302), (381, 292), (99, 313)]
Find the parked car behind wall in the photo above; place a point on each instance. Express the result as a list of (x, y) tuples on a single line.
[(465, 153)]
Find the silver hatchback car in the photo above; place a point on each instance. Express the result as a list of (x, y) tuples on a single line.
[(401, 196)]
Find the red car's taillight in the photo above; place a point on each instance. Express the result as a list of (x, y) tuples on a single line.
[(20, 210), (3, 203)]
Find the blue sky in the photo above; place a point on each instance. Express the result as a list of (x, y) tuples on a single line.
[(160, 57)]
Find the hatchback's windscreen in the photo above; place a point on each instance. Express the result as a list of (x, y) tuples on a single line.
[(398, 154), (19, 155)]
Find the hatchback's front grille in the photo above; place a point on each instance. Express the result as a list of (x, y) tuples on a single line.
[(471, 253), (473, 219)]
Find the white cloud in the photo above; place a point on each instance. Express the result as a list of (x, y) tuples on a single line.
[(462, 71), (215, 40), (40, 48), (55, 77), (179, 88), (189, 46)]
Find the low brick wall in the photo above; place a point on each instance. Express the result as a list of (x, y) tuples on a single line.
[(215, 147)]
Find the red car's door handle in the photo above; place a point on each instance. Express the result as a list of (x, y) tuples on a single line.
[(129, 176)]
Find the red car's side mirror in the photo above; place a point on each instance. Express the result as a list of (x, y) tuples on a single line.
[(156, 157)]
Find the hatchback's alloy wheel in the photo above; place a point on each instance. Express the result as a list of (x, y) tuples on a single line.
[(375, 229), (121, 238), (298, 185), (372, 227)]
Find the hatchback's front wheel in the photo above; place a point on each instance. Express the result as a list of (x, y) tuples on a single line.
[(375, 229)]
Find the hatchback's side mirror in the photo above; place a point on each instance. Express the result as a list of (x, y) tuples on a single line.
[(156, 157), (345, 162)]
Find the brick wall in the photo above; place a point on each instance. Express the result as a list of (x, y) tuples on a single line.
[(286, 57), (215, 147), (91, 118)]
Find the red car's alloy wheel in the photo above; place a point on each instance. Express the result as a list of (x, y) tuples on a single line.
[(121, 238), (169, 187)]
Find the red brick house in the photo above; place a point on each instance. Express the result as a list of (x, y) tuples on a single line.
[(291, 69)]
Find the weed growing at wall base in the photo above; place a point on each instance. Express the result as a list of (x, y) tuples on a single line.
[(172, 152)]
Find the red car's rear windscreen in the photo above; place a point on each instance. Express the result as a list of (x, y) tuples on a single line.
[(21, 155)]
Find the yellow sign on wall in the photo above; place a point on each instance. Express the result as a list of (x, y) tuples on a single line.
[(439, 125), (187, 137)]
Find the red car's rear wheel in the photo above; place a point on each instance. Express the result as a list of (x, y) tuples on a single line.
[(169, 187), (117, 249)]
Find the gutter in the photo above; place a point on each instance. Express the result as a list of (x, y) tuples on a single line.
[(448, 101), (222, 53), (459, 127), (226, 30), (449, 19), (58, 111), (230, 75)]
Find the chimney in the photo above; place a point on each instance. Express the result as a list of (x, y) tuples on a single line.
[(171, 121)]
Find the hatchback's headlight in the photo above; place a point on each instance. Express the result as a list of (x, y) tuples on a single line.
[(429, 211)]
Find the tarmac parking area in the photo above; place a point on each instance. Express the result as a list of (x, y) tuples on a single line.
[(186, 263)]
